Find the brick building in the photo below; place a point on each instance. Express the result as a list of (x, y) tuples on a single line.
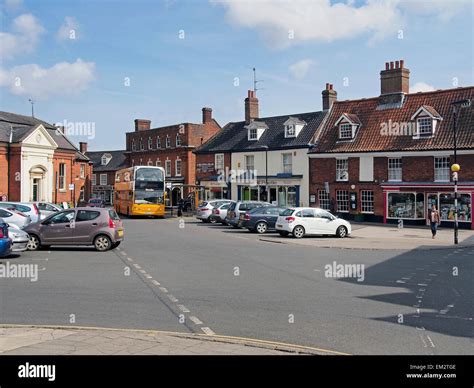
[(266, 155), (39, 163), (388, 157), (104, 166), (171, 147)]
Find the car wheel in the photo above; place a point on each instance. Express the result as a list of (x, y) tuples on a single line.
[(34, 243), (298, 231), (341, 232), (102, 243), (261, 227), (116, 244), (283, 234)]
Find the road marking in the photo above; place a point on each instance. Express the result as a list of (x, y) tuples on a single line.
[(143, 271), (129, 259), (401, 281), (183, 308), (207, 331), (155, 283), (148, 276), (425, 345), (431, 342), (195, 320), (123, 253), (162, 289), (172, 298), (137, 266), (422, 284), (422, 289)]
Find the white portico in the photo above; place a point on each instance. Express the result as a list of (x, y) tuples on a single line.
[(36, 166)]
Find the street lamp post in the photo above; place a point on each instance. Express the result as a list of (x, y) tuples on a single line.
[(265, 147), (455, 167)]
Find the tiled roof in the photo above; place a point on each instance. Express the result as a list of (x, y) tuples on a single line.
[(117, 162), (22, 126), (370, 138), (233, 137)]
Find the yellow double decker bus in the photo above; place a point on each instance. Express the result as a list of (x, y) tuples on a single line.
[(140, 190)]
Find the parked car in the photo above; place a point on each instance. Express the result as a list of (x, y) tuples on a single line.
[(219, 213), (311, 221), (29, 209), (19, 238), (5, 241), (261, 219), (236, 212), (96, 202), (46, 209), (204, 210), (14, 217), (99, 227)]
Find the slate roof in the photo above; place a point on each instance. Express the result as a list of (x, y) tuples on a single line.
[(233, 137), (370, 139), (117, 162), (23, 125)]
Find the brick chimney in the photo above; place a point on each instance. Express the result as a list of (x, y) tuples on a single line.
[(206, 115), (251, 107), (395, 78), (83, 146), (329, 96), (142, 125)]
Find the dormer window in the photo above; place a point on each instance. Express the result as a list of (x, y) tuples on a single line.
[(347, 126), (345, 131), (293, 127), (426, 119), (105, 159), (255, 130)]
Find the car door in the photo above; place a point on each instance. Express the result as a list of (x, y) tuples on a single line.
[(58, 228), (272, 216), (309, 221), (325, 222), (85, 226)]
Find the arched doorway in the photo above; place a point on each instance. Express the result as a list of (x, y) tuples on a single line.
[(37, 178), (176, 195)]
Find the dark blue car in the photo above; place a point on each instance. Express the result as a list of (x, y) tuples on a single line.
[(5, 241), (261, 219)]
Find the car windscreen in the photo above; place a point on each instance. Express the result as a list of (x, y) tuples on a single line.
[(148, 196), (287, 212)]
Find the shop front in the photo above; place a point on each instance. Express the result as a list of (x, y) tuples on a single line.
[(277, 192), (412, 204), (215, 189)]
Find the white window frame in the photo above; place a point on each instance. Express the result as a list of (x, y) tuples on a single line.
[(177, 172), (443, 173), (168, 167), (349, 132), (82, 170), (219, 162), (342, 201), (150, 143), (423, 132), (62, 178), (253, 134), (102, 179), (247, 165), (168, 142), (158, 142), (178, 140), (395, 168), (142, 146), (367, 200), (158, 163), (134, 146), (93, 179), (104, 160), (324, 200), (340, 169), (290, 130), (285, 165)]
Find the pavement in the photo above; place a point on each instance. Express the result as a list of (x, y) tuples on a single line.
[(36, 340)]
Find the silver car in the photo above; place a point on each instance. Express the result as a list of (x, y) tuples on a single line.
[(30, 209), (19, 238), (219, 213), (15, 217), (204, 210), (46, 209)]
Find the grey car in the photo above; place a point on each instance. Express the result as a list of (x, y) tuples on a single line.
[(14, 217), (99, 227), (46, 209), (29, 209), (236, 211), (204, 210), (262, 219), (19, 238)]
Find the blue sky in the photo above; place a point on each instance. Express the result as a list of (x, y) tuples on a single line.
[(296, 47)]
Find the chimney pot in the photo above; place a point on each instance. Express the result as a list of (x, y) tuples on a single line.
[(83, 147), (251, 107), (206, 115), (395, 79), (329, 96), (402, 62), (387, 66), (397, 64), (142, 125), (391, 66)]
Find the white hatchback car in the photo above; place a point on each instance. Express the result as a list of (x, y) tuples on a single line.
[(303, 221)]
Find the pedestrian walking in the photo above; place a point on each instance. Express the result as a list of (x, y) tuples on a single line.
[(434, 220)]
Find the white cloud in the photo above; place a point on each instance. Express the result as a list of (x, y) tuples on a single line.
[(282, 22), (421, 87), (299, 69), (41, 83), (69, 30), (27, 31)]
